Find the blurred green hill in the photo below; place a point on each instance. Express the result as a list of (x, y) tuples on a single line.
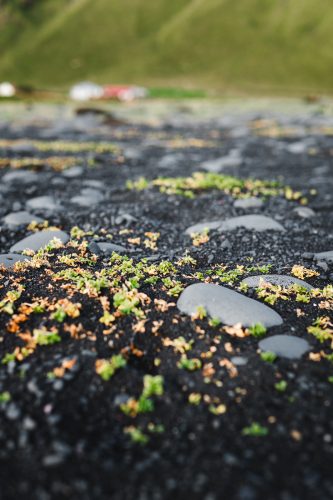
[(259, 45)]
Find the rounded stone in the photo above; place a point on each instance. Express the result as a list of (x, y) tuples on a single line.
[(108, 248), (24, 148), (252, 222), (275, 279), (73, 172), (41, 203), (326, 256), (246, 203), (87, 197), (21, 218), (20, 176), (285, 346), (233, 159), (297, 147), (94, 183), (82, 201), (9, 259), (304, 212), (203, 226), (228, 306), (239, 360), (38, 240)]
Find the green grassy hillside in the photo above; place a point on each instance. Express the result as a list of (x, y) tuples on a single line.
[(277, 45)]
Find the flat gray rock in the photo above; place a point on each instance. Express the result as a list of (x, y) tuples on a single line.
[(258, 223), (87, 197), (304, 212), (82, 201), (327, 256), (20, 176), (239, 360), (94, 183), (251, 202), (228, 306), (73, 172), (21, 218), (132, 153), (275, 279), (253, 222), (233, 159), (170, 160), (38, 240), (24, 148), (41, 203), (202, 226), (108, 248), (297, 148), (285, 346), (8, 259)]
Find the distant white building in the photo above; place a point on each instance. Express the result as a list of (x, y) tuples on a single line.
[(85, 91), (7, 89)]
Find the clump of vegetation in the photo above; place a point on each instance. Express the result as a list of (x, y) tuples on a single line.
[(219, 409), (174, 287), (136, 435), (268, 356), (42, 336), (151, 240), (152, 386), (186, 259), (322, 329), (84, 281), (65, 308), (201, 238), (58, 163), (75, 147), (281, 386), (66, 365), (200, 313), (230, 276), (302, 272), (257, 330), (135, 274), (64, 146), (190, 364), (77, 233), (5, 397), (208, 181), (214, 322), (271, 293), (195, 398), (155, 428), (127, 302), (8, 358), (106, 368), (54, 244), (139, 185), (255, 430), (7, 305), (180, 344)]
